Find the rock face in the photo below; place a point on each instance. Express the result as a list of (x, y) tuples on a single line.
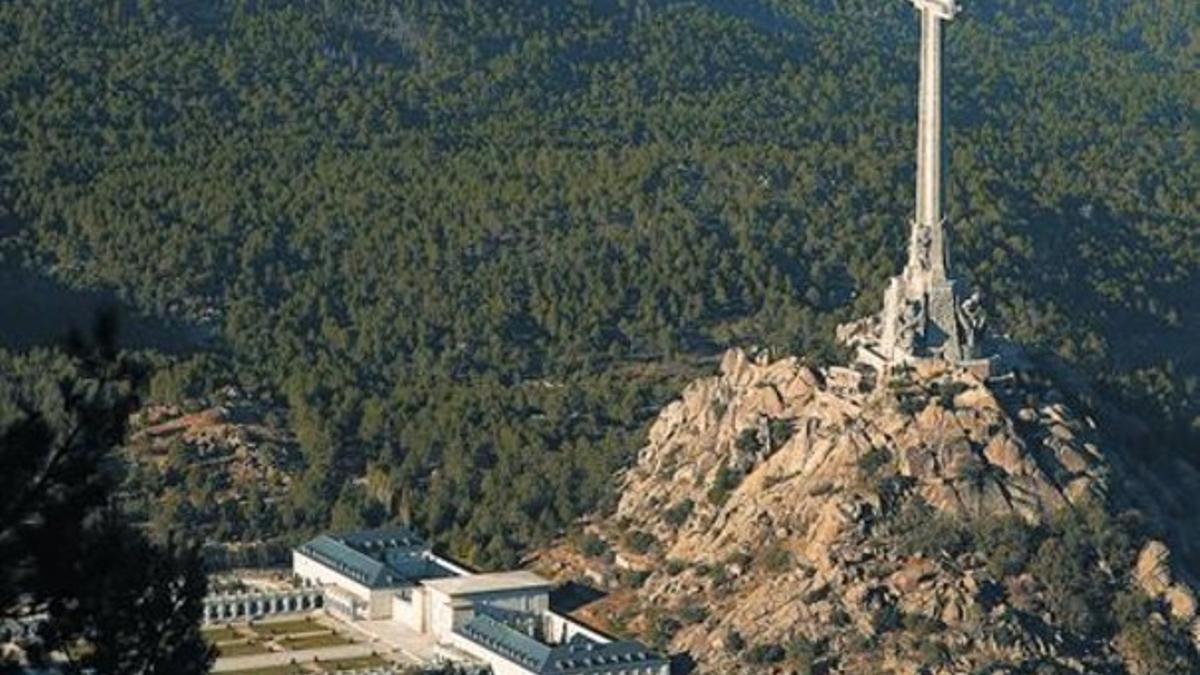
[(1156, 578), (769, 490), (948, 434)]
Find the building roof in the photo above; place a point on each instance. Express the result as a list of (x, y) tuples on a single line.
[(389, 538), (493, 582), (583, 655), (347, 561), (382, 558), (499, 632), (499, 638)]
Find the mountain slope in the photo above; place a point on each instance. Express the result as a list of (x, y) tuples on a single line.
[(935, 522), (401, 214)]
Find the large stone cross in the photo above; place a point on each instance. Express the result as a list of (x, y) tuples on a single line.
[(927, 246), (924, 318)]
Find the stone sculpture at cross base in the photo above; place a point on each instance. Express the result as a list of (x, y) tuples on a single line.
[(924, 316)]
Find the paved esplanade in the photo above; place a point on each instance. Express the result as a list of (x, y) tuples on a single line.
[(923, 316)]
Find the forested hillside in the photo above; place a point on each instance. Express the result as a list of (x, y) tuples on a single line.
[(473, 244)]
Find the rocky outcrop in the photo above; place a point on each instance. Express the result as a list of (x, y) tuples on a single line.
[(803, 456), (1156, 578), (771, 491)]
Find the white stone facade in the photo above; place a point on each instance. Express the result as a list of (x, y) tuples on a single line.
[(500, 619), (374, 603)]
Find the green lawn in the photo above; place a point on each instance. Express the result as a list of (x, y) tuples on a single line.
[(274, 670), (276, 628), (240, 649), (354, 664), (215, 635), (315, 641)]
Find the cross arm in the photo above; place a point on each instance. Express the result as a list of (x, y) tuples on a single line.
[(942, 9)]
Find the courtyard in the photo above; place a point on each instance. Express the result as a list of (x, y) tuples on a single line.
[(293, 645)]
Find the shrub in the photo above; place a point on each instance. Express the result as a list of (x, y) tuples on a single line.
[(932, 653), (887, 619), (892, 491), (620, 622), (740, 558), (911, 405), (719, 408), (691, 614), (946, 392), (776, 558), (781, 433), (1007, 543), (639, 541), (675, 566), (747, 442), (663, 630), (1159, 648), (990, 595), (734, 642), (1074, 590), (803, 655), (921, 625), (858, 643), (593, 546), (634, 578), (816, 595), (677, 515), (1118, 539), (874, 460), (718, 574), (726, 481), (763, 654), (924, 531)]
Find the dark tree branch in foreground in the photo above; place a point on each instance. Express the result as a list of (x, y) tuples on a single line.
[(102, 595)]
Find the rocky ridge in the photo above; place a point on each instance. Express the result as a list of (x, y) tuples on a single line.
[(766, 524)]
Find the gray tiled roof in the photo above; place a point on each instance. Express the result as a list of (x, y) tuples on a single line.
[(354, 564), (382, 558), (500, 638), (497, 632)]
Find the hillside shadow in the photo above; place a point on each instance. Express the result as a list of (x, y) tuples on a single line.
[(39, 311), (573, 596)]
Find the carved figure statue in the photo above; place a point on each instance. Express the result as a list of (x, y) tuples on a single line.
[(973, 318), (973, 312), (910, 322), (925, 249)]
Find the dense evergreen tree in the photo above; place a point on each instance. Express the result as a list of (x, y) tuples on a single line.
[(476, 243)]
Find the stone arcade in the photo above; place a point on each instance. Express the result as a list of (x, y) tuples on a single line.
[(258, 604), (924, 316)]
